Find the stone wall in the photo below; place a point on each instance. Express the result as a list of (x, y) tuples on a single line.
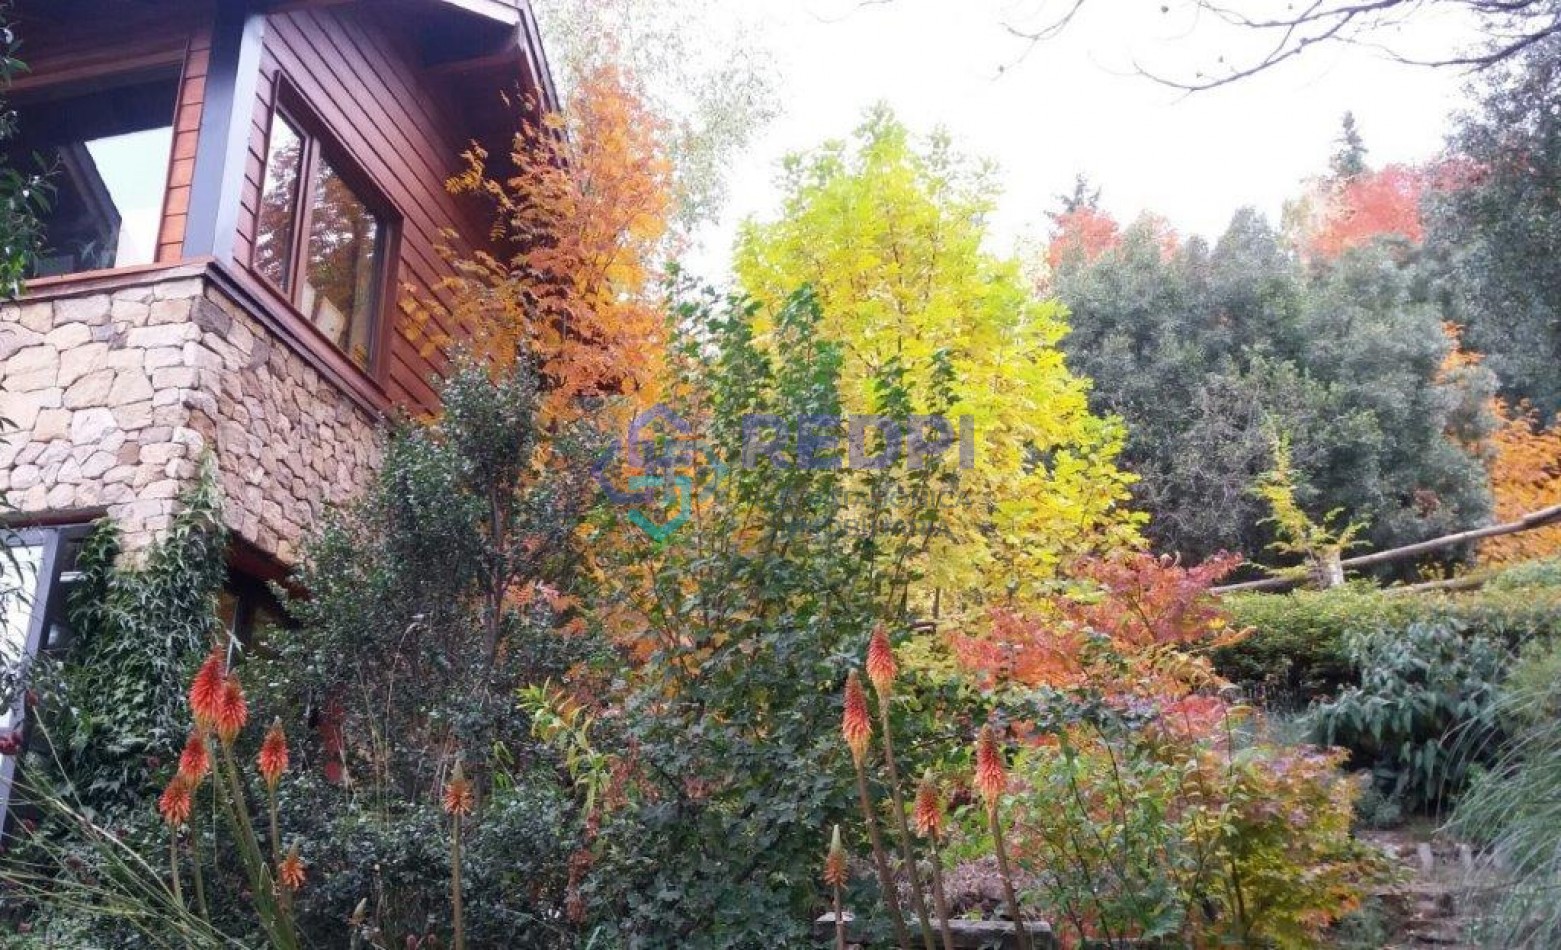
[(113, 396)]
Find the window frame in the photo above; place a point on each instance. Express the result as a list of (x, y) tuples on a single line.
[(40, 90), (47, 602), (318, 140)]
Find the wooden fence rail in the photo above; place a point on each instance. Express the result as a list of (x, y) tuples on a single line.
[(1530, 521)]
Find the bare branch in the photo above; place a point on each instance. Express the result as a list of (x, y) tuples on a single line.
[(1508, 28)]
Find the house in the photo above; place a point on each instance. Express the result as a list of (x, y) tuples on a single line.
[(245, 191)]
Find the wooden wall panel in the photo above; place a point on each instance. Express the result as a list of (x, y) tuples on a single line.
[(367, 87), (186, 133)]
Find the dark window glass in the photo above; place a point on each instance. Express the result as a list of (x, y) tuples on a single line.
[(107, 146), (339, 295), (324, 251), (279, 204)]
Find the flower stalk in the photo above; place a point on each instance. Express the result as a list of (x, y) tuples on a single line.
[(835, 876), (881, 671), (992, 780), (929, 824), (459, 801), (857, 729)]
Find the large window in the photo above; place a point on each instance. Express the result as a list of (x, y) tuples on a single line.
[(319, 240), (106, 145), (34, 565)]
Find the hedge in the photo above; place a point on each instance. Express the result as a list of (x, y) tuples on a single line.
[(1296, 647)]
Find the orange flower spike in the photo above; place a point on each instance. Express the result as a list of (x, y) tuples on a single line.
[(195, 760), (855, 726), (835, 862), (880, 662), (928, 810), (991, 778), (290, 873), (176, 802), (206, 690), (459, 799), (232, 710), (273, 754)]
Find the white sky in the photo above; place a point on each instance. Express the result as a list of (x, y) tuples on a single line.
[(1073, 104)]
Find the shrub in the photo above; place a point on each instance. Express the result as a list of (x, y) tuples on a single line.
[(1299, 644), (1425, 708), (1144, 805), (1529, 574)]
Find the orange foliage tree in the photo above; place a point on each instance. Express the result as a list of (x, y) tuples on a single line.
[(570, 276), (1081, 235), (1525, 476), (1338, 214)]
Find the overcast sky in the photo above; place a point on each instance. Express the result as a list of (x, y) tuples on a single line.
[(1074, 104)]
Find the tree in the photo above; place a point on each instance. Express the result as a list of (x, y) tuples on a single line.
[(1525, 471), (578, 225), (700, 68), (1349, 159), (1205, 353), (446, 588), (1495, 226), (888, 234)]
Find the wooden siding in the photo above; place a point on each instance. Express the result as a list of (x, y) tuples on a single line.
[(186, 134), (365, 84)]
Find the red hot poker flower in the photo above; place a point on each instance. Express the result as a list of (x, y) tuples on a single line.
[(928, 811), (290, 873), (195, 760), (880, 662), (232, 711), (991, 778), (855, 725), (206, 690), (273, 754), (459, 799), (835, 862), (176, 802)]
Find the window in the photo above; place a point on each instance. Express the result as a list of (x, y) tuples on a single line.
[(35, 564), (106, 145), (318, 240)]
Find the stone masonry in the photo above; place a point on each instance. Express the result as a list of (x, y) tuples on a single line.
[(113, 396)]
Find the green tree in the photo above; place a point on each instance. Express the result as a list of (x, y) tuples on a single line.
[(746, 619), (1205, 353), (1349, 157), (1497, 226)]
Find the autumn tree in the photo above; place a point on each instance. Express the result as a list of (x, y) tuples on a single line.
[(570, 279), (1525, 477), (701, 66), (888, 232)]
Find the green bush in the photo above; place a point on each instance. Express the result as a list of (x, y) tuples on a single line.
[(1298, 644), (1425, 709), (1529, 574)]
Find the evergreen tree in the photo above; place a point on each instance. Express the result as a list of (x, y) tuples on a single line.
[(1496, 227), (1349, 158), (1206, 353)]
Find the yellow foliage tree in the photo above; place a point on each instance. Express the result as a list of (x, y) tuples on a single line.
[(1525, 476), (889, 234), (569, 279)]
